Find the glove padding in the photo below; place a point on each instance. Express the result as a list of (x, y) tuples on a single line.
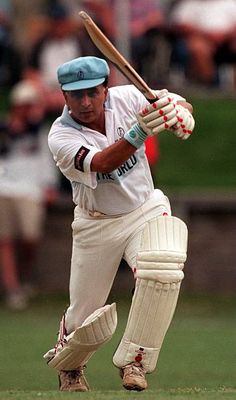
[(158, 116), (185, 125)]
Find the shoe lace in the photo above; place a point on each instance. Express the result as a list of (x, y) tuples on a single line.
[(135, 369)]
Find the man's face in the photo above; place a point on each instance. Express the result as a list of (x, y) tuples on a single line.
[(86, 105)]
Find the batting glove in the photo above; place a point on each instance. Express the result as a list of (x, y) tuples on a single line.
[(158, 116), (185, 125), (153, 119)]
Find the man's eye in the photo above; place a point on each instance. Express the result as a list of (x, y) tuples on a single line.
[(92, 92), (79, 94)]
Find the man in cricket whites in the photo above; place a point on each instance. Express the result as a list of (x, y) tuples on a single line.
[(98, 143)]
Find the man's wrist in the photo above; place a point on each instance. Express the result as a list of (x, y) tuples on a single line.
[(136, 136)]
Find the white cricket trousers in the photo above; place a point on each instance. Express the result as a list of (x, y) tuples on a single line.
[(99, 244)]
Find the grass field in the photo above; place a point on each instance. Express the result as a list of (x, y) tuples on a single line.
[(205, 161), (197, 358)]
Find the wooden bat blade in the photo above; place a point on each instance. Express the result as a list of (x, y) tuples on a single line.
[(107, 48)]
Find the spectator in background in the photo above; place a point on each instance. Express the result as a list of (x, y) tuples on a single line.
[(147, 21), (27, 179), (10, 60), (59, 43), (204, 31), (148, 37), (103, 14)]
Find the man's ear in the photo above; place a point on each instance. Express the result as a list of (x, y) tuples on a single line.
[(64, 95), (106, 91)]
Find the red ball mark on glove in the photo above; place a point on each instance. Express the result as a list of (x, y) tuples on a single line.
[(180, 119), (145, 111), (169, 99), (161, 112), (165, 118), (166, 126), (164, 214), (154, 105)]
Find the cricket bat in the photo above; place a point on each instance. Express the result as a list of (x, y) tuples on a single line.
[(112, 54)]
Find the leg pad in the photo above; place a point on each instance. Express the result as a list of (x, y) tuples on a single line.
[(77, 348), (159, 275)]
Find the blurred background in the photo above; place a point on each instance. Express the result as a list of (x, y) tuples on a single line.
[(186, 46)]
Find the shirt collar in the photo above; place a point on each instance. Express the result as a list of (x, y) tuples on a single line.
[(68, 120)]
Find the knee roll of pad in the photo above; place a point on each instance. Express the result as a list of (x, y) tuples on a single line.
[(159, 274), (163, 250)]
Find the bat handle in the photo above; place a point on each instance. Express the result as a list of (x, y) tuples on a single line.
[(151, 101), (154, 97), (151, 96)]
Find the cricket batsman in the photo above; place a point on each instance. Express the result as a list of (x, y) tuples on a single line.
[(98, 143)]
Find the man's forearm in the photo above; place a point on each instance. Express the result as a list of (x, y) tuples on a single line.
[(112, 157)]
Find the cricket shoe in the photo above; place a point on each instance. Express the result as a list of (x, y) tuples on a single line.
[(73, 381), (133, 377)]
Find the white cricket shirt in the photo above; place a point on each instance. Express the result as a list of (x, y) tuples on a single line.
[(120, 191)]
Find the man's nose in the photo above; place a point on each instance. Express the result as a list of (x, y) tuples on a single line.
[(86, 100)]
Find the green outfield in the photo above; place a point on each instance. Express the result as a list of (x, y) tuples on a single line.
[(197, 358), (206, 161)]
